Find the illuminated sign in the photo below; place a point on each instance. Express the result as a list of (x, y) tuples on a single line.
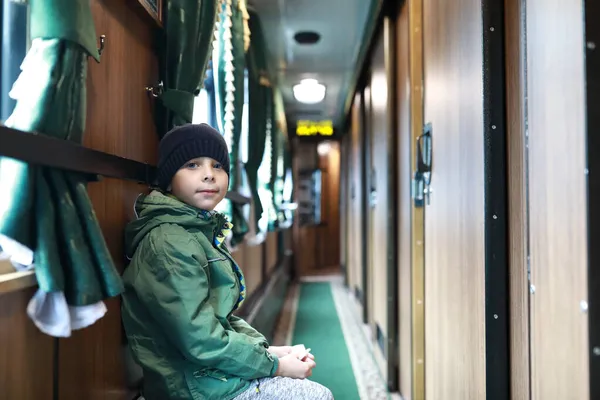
[(314, 128)]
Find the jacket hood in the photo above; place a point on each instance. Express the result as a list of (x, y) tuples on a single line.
[(157, 208)]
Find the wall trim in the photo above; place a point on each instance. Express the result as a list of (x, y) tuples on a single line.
[(496, 204), (592, 60)]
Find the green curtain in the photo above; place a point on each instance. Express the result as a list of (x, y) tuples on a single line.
[(229, 87), (260, 103), (45, 209), (183, 55)]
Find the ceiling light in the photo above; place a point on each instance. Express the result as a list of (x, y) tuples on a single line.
[(323, 148), (309, 91)]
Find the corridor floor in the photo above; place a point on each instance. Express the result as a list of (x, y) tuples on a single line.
[(321, 314)]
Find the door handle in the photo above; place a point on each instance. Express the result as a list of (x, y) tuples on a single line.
[(422, 178)]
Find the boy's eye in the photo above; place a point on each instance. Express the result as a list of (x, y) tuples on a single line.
[(191, 165), (218, 165)]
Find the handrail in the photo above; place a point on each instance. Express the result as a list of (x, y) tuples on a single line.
[(40, 149)]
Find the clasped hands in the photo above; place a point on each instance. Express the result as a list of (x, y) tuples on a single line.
[(294, 361)]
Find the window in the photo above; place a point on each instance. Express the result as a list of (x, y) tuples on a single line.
[(245, 185), (15, 43), (264, 178), (201, 108), (205, 111)]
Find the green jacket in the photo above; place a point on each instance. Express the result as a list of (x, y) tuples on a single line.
[(180, 291)]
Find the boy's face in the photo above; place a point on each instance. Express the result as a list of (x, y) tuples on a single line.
[(201, 182)]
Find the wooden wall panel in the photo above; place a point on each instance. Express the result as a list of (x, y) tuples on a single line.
[(517, 203), (92, 364), (319, 245), (272, 255), (557, 198), (327, 234), (249, 258), (357, 234), (403, 93), (288, 239), (415, 29), (305, 239), (343, 203), (378, 220), (454, 220), (26, 354)]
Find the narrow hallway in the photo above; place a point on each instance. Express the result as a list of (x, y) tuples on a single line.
[(321, 313)]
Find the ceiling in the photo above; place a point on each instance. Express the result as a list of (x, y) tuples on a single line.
[(332, 60)]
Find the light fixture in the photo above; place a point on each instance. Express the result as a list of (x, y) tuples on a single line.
[(309, 91), (323, 148)]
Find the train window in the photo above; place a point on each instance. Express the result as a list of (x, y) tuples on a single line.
[(205, 103), (15, 43), (205, 112), (201, 108), (245, 186), (264, 179)]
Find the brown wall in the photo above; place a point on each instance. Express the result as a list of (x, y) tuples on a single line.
[(404, 201), (318, 247), (454, 220), (357, 236), (119, 121), (250, 259), (556, 159), (377, 130), (327, 236)]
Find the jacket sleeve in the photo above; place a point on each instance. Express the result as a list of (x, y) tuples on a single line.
[(174, 286), (241, 326)]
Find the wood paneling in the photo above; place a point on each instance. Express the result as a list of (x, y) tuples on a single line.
[(320, 245), (517, 203), (454, 220), (344, 201), (271, 244), (26, 354), (404, 170), (327, 234), (378, 219), (557, 199), (357, 234), (249, 258), (91, 362), (415, 28)]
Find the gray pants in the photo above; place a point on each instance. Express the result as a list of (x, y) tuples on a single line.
[(280, 388)]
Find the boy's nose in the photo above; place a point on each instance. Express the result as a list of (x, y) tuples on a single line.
[(209, 176)]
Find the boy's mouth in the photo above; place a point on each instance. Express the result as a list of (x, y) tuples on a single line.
[(208, 191)]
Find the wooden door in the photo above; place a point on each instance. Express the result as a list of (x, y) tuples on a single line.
[(556, 124), (454, 219)]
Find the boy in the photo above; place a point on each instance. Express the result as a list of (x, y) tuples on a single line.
[(182, 286)]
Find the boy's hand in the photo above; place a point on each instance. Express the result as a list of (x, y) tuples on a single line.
[(290, 366), (280, 351), (302, 352)]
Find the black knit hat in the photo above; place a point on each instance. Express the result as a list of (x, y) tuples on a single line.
[(186, 142)]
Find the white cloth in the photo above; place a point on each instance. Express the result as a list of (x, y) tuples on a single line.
[(53, 316), (50, 311)]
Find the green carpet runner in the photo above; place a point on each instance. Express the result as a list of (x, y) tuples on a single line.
[(318, 327)]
